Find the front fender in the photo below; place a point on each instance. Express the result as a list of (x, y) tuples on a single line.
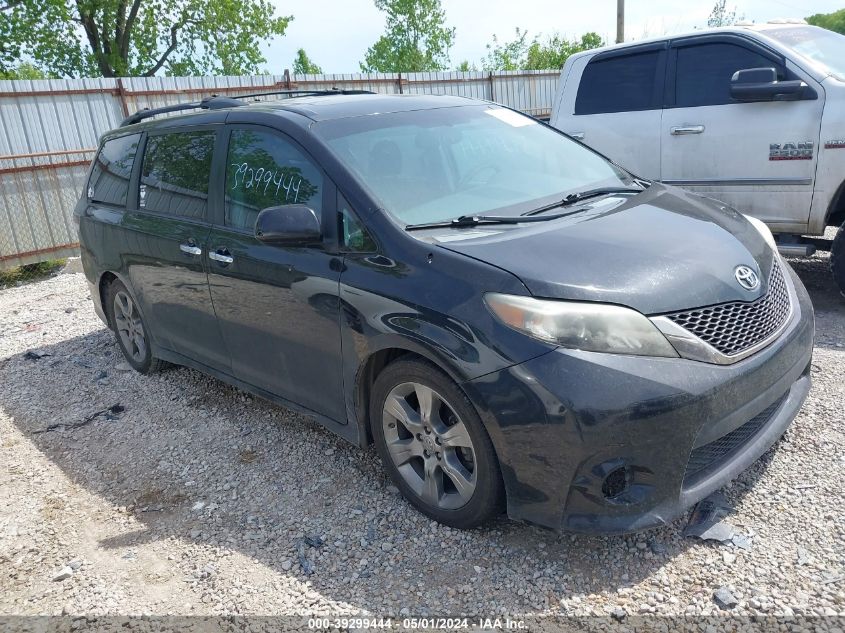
[(373, 325), (429, 304)]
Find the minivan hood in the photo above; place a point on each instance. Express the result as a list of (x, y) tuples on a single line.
[(659, 251)]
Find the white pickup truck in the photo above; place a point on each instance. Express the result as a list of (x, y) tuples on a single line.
[(752, 115)]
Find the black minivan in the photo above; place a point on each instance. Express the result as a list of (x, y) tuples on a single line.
[(514, 321)]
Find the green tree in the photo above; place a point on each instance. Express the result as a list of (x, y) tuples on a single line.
[(24, 70), (112, 38), (832, 21), (416, 38), (541, 53), (302, 64), (555, 50), (721, 16), (466, 66), (507, 55)]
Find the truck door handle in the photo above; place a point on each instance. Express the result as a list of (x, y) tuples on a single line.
[(221, 255), (686, 129), (190, 249), (578, 136)]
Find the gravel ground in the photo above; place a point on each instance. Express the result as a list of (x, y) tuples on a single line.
[(192, 497)]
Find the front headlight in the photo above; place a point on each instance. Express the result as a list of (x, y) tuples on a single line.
[(763, 230), (595, 327)]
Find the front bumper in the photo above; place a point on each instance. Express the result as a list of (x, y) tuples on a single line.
[(563, 422)]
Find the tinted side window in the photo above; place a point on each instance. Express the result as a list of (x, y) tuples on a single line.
[(175, 174), (353, 236), (704, 72), (618, 84), (264, 170), (109, 181)]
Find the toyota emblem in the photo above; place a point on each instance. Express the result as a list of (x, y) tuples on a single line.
[(747, 278)]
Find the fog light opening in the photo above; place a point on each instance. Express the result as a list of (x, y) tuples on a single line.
[(616, 483)]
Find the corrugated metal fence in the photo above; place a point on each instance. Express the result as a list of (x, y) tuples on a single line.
[(49, 131)]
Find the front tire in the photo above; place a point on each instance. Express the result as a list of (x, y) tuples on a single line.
[(130, 330), (837, 259), (434, 446)]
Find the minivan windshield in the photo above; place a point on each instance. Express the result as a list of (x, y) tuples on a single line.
[(825, 48), (434, 165)]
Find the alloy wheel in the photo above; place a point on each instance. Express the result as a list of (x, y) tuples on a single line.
[(430, 445), (130, 328)]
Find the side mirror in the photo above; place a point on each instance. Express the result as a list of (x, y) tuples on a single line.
[(761, 84), (292, 224)]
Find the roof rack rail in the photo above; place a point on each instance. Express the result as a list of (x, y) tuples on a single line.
[(316, 93), (209, 103), (216, 102)]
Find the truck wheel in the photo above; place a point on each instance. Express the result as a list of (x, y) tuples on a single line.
[(837, 259)]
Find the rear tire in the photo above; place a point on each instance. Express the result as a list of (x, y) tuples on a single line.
[(434, 446), (837, 259), (130, 329)]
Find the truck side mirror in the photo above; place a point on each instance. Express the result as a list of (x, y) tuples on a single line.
[(761, 84)]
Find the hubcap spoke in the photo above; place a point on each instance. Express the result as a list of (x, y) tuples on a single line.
[(121, 323), (456, 436), (464, 480), (140, 346), (427, 400), (404, 451), (125, 306), (433, 484), (398, 408)]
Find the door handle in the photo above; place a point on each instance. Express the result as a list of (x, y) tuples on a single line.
[(686, 129), (190, 249), (578, 136), (221, 256)]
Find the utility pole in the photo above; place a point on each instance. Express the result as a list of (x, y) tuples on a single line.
[(620, 21)]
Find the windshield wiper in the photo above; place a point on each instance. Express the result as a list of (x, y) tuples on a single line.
[(580, 196), (476, 220), (532, 216)]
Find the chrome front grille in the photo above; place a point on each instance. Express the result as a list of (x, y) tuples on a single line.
[(732, 328)]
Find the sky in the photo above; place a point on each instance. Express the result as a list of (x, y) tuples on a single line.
[(337, 33)]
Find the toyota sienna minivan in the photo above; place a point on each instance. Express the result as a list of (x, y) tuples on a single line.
[(514, 321)]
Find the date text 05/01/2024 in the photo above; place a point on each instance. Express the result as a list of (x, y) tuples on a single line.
[(425, 623)]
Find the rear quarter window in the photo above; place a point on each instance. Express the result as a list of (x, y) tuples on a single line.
[(618, 84), (109, 182)]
